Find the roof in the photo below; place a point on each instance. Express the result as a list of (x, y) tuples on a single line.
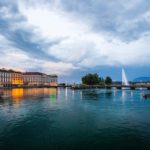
[(9, 71), (53, 75), (33, 73), (27, 73)]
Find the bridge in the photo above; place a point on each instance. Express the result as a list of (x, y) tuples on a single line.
[(131, 87)]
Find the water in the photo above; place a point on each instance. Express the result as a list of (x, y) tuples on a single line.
[(44, 119)]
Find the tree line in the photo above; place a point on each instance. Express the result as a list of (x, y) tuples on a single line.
[(95, 79)]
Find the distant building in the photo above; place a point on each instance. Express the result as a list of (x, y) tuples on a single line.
[(9, 78), (39, 79), (53, 80), (142, 83), (32, 78)]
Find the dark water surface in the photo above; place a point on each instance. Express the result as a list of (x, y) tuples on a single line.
[(50, 119)]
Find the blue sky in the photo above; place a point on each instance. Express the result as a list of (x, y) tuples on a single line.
[(74, 37)]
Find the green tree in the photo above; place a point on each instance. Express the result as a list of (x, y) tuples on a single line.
[(91, 79), (101, 80), (108, 80)]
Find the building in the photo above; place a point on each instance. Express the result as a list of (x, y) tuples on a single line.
[(32, 78), (142, 83), (16, 78), (39, 79), (11, 78), (53, 80)]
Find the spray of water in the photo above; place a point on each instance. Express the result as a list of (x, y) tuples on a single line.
[(124, 78)]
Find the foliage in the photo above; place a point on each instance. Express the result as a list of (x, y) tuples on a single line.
[(94, 79), (108, 80), (91, 79)]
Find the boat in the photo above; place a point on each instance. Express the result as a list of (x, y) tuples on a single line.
[(146, 96)]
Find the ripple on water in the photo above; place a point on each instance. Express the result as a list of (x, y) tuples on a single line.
[(82, 119)]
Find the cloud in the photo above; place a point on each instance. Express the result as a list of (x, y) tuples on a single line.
[(96, 51), (19, 60), (52, 23), (62, 36), (124, 19)]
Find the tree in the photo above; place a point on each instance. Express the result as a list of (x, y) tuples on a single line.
[(91, 79), (108, 80), (101, 80)]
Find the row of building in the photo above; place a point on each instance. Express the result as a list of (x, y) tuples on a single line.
[(11, 78)]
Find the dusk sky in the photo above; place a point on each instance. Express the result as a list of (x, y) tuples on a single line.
[(74, 37)]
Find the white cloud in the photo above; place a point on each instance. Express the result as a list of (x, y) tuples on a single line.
[(59, 68), (81, 46), (52, 23), (130, 4), (17, 59), (97, 51)]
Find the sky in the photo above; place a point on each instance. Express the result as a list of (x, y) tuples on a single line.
[(71, 38)]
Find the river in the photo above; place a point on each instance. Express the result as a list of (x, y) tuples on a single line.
[(65, 119)]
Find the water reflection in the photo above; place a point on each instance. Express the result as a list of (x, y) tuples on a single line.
[(53, 95), (131, 93), (96, 94), (66, 93), (81, 95), (73, 92), (108, 94), (105, 122), (114, 92), (123, 94), (18, 94), (90, 94)]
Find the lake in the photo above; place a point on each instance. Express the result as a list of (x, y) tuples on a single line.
[(66, 119)]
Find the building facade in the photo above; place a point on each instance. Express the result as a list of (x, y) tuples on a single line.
[(53, 80), (10, 78), (39, 79), (32, 78)]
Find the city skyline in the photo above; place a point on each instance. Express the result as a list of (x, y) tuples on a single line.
[(72, 38)]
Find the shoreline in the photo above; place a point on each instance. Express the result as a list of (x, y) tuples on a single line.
[(80, 87)]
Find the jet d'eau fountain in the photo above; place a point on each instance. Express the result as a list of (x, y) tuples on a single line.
[(124, 78)]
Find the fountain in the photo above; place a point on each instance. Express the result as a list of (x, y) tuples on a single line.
[(124, 78)]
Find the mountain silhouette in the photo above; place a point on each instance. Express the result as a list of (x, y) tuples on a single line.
[(141, 79)]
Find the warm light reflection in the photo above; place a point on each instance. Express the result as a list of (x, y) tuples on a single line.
[(40, 92), (17, 95)]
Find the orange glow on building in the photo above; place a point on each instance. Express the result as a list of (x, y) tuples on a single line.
[(17, 78), (17, 82), (11, 78)]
